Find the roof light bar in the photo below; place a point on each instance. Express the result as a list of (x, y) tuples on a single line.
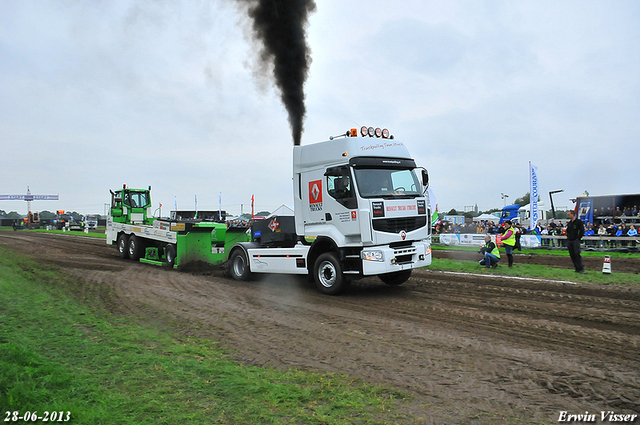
[(372, 132)]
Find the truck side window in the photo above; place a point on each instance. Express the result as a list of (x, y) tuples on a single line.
[(339, 186)]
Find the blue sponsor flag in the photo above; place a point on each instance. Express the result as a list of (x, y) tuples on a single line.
[(533, 198)]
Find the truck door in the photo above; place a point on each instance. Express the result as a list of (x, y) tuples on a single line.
[(341, 205)]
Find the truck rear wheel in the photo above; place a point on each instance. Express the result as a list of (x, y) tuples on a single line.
[(239, 265), (396, 278), (136, 248), (327, 272), (170, 254), (123, 245)]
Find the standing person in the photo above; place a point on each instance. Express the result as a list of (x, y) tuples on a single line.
[(633, 233), (602, 232), (509, 240), (491, 253), (575, 232)]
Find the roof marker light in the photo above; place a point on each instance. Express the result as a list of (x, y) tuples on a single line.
[(385, 133), (371, 131), (378, 132), (363, 131)]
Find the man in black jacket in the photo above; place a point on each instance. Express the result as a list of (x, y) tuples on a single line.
[(575, 232)]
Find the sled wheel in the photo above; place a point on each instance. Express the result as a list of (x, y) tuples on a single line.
[(239, 265), (136, 248), (170, 254), (123, 242)]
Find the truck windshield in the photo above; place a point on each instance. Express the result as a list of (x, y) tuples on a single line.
[(136, 199), (387, 183)]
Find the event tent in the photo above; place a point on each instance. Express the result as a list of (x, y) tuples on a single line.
[(486, 217)]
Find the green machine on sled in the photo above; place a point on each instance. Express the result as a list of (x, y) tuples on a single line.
[(184, 237)]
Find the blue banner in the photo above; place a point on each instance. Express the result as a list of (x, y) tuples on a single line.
[(533, 198)]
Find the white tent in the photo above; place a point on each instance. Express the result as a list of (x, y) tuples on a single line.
[(282, 210), (486, 217)]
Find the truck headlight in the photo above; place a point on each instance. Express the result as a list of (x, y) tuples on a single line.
[(372, 255)]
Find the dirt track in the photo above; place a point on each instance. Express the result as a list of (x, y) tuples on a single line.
[(469, 349)]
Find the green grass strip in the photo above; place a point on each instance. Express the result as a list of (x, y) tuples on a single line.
[(58, 354), (537, 272), (562, 252), (91, 234)]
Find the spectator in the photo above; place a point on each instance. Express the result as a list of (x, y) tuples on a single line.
[(621, 232), (509, 240), (575, 232), (602, 232), (589, 232), (632, 232), (545, 232), (491, 253), (519, 232)]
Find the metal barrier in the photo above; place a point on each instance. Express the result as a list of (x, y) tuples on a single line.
[(538, 241)]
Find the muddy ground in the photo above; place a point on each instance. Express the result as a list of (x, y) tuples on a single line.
[(466, 348)]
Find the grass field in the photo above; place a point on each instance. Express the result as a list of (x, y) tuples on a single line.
[(538, 272), (58, 354), (92, 234)]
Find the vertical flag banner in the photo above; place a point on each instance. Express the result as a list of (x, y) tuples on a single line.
[(220, 206), (251, 206), (175, 203), (196, 197), (533, 198), (433, 205)]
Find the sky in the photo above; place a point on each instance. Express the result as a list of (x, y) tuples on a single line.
[(168, 94)]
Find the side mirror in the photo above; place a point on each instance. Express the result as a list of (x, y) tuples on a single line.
[(425, 178)]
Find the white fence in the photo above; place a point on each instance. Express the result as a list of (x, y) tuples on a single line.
[(536, 241)]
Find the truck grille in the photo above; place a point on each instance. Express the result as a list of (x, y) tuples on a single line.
[(396, 225), (404, 255)]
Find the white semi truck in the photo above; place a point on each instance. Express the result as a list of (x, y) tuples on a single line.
[(361, 209)]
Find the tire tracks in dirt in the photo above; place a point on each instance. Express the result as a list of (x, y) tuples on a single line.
[(462, 345)]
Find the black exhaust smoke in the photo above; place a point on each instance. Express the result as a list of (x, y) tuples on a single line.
[(280, 26)]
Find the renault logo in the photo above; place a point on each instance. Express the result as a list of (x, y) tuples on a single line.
[(403, 235)]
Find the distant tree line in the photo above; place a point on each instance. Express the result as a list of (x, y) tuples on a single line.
[(43, 215)]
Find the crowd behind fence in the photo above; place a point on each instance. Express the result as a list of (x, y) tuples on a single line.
[(607, 234)]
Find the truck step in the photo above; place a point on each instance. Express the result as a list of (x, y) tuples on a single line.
[(351, 272)]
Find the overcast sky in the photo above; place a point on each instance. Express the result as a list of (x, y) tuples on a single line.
[(94, 94)]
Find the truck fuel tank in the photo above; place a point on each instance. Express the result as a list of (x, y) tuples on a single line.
[(275, 231)]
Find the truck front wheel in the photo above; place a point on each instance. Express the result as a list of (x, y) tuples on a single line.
[(239, 265), (123, 245), (396, 278), (327, 273)]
